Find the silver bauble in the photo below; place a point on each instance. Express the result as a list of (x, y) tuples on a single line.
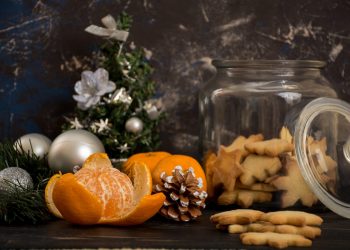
[(33, 143), (14, 177), (134, 125), (71, 148)]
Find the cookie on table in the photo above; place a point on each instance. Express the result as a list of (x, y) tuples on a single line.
[(274, 239), (296, 218), (237, 216), (260, 227)]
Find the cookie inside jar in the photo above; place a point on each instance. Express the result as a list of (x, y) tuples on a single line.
[(254, 170)]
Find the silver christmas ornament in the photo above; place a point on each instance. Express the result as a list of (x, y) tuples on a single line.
[(71, 148), (33, 143), (134, 125), (13, 177)]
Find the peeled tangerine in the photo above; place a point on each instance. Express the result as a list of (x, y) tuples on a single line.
[(101, 194)]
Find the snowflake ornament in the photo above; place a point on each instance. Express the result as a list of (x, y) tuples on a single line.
[(75, 124), (101, 126), (124, 148)]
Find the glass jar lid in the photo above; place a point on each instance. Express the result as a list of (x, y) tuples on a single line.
[(268, 63), (322, 148)]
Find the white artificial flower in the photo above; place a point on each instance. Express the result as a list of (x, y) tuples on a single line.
[(110, 31), (91, 87)]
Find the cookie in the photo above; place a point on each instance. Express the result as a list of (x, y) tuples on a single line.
[(227, 167), (306, 231), (274, 239), (286, 135), (238, 216), (296, 218), (325, 165), (258, 168), (259, 186), (294, 186), (240, 142), (273, 147), (253, 227), (244, 198), (209, 160)]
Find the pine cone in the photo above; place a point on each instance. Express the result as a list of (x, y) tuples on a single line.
[(184, 197)]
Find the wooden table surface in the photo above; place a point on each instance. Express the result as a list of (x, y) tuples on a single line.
[(155, 233)]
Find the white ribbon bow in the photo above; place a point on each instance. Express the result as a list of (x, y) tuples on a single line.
[(110, 31)]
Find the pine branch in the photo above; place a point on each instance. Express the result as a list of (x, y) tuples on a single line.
[(11, 157), (24, 205)]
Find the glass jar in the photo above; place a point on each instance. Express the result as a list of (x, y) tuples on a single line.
[(259, 103)]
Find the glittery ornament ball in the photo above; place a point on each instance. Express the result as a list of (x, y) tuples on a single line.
[(14, 177)]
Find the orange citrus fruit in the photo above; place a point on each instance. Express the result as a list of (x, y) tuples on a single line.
[(141, 178), (48, 195), (101, 194), (169, 163), (76, 204), (148, 206), (151, 159)]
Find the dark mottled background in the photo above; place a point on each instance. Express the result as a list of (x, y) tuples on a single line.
[(43, 50)]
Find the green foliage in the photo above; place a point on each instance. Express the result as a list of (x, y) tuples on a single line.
[(24, 205), (128, 68)]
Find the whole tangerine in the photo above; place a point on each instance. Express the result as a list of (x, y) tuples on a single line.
[(169, 163)]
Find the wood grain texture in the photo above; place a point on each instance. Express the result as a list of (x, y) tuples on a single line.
[(156, 233)]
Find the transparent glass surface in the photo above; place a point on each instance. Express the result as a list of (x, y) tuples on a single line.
[(246, 98), (322, 143)]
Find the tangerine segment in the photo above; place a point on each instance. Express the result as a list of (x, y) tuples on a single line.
[(76, 204), (151, 160), (113, 187), (144, 210), (97, 160), (168, 164), (48, 195), (141, 177)]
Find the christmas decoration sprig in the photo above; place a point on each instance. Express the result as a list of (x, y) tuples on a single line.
[(19, 204), (116, 102)]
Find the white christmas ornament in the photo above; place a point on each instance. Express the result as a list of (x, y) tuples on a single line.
[(71, 148), (14, 177), (134, 125), (33, 143)]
